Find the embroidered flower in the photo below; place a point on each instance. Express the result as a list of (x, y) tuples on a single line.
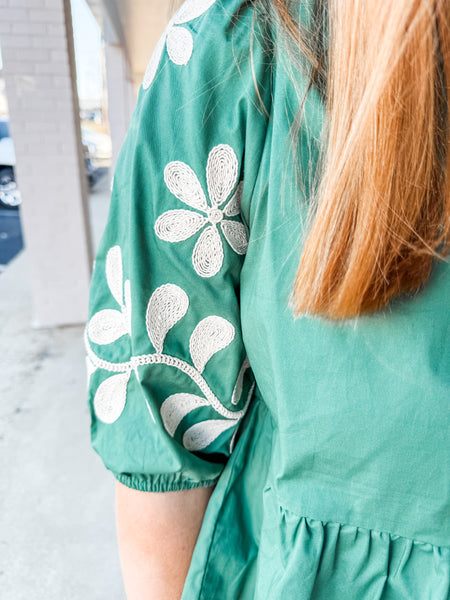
[(178, 40), (167, 306), (179, 224)]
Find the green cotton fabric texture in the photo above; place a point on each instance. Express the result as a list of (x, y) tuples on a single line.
[(327, 443)]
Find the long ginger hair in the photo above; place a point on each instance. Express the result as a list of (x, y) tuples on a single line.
[(382, 208)]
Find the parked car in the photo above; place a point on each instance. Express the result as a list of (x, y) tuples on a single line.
[(97, 153), (97, 156), (9, 194)]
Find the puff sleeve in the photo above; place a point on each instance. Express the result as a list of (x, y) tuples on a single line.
[(169, 381)]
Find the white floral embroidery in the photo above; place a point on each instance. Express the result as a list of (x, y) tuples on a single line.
[(167, 306), (200, 435), (109, 325), (237, 392), (178, 40), (177, 406), (111, 396), (211, 335), (180, 224)]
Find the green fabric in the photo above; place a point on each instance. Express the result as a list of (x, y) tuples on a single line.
[(334, 481)]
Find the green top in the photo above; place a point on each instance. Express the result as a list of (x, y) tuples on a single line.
[(330, 452)]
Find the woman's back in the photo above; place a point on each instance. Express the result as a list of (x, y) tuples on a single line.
[(329, 445)]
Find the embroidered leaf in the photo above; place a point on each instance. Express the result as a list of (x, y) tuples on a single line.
[(221, 173), (183, 183), (154, 62), (111, 397), (211, 335), (235, 235), (167, 305), (200, 435), (127, 307), (237, 391), (180, 45), (233, 207), (176, 407), (178, 225), (107, 326), (191, 10), (114, 273), (207, 257)]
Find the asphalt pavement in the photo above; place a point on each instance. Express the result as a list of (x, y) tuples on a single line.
[(11, 239)]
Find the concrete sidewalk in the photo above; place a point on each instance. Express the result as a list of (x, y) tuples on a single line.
[(57, 532)]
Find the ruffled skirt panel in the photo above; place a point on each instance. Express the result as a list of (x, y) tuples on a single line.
[(251, 548)]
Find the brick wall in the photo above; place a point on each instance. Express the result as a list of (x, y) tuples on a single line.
[(38, 60)]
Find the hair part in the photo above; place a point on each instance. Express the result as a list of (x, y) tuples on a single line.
[(381, 213)]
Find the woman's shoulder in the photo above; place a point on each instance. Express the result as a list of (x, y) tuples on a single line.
[(208, 84), (211, 36)]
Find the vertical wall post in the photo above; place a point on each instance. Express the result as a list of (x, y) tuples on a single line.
[(39, 69)]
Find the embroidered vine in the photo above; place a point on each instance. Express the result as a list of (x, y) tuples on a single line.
[(179, 224), (167, 306), (178, 40)]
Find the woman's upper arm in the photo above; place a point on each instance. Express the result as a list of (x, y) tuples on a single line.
[(169, 379)]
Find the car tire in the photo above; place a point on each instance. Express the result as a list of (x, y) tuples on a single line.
[(7, 177)]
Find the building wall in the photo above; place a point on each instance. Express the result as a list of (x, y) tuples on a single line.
[(39, 71)]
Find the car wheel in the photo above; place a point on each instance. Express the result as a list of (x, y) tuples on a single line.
[(9, 194)]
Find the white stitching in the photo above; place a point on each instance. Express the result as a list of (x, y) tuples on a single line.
[(221, 173), (180, 45), (114, 273), (175, 225), (207, 256), (191, 9), (178, 40), (200, 435), (176, 407), (211, 335), (235, 235), (111, 396), (178, 225), (184, 185), (233, 207), (167, 305), (107, 326), (171, 361), (237, 391)]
